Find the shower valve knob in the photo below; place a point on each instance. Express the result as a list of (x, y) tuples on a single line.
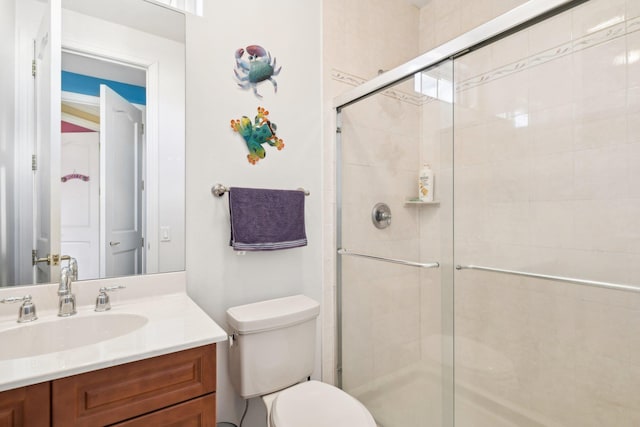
[(381, 215)]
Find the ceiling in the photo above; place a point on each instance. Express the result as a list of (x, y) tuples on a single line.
[(139, 14)]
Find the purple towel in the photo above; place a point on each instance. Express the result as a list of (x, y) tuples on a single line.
[(266, 220)]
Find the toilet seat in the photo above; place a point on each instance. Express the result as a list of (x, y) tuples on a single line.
[(316, 404)]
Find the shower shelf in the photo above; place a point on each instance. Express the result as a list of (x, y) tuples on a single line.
[(413, 202)]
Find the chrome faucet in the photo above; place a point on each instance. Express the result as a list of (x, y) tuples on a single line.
[(73, 266), (27, 312), (66, 299)]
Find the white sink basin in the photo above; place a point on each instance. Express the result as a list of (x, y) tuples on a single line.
[(39, 338)]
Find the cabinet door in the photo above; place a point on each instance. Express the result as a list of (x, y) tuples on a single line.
[(111, 395), (26, 406), (199, 412)]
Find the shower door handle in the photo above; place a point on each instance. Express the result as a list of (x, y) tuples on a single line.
[(594, 283), (348, 252)]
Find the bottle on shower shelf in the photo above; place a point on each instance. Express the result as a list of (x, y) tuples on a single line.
[(425, 184)]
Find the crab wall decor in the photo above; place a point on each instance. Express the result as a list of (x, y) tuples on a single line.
[(261, 131), (253, 66)]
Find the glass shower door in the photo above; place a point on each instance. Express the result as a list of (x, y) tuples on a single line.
[(547, 163), (395, 268)]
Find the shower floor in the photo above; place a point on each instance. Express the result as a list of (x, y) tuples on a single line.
[(404, 399), (413, 398)]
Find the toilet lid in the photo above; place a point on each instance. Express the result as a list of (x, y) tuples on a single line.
[(316, 404)]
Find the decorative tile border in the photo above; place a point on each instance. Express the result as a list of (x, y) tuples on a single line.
[(350, 79), (568, 48), (564, 49), (353, 80), (633, 25)]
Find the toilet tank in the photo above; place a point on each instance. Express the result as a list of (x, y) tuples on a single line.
[(273, 344)]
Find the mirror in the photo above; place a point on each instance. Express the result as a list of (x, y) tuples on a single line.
[(92, 142)]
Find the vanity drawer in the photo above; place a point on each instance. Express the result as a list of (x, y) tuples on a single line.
[(114, 394), (200, 412), (25, 406)]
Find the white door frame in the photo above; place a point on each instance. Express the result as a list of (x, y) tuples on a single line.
[(150, 141), (25, 134), (47, 107)]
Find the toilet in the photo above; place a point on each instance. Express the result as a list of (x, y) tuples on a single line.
[(272, 354)]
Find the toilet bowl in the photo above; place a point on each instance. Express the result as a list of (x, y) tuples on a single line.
[(315, 404), (271, 354)]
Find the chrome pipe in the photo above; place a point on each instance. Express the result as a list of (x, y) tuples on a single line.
[(594, 283), (342, 251)]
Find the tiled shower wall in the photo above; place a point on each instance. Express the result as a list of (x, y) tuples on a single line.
[(546, 160), (381, 307), (547, 157), (360, 38), (443, 20)]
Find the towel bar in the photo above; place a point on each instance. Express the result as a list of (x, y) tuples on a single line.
[(218, 190)]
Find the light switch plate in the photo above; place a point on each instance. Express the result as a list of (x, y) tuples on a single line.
[(165, 234)]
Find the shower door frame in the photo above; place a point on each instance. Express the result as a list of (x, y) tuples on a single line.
[(515, 20)]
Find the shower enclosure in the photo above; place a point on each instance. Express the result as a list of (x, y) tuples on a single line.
[(512, 299)]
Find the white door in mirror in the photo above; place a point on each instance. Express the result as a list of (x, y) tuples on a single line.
[(121, 178), (79, 201)]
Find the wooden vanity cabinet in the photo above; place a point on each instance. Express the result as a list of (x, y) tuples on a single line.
[(112, 395), (193, 413), (26, 406), (176, 389)]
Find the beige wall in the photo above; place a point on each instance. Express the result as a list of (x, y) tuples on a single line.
[(546, 154), (443, 20)]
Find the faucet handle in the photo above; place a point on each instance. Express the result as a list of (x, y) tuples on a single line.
[(27, 312), (102, 301)]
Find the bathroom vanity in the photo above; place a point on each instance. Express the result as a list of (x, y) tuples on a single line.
[(163, 390), (153, 363)]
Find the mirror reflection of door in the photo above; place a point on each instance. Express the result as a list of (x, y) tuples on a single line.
[(80, 196), (102, 160), (121, 195)]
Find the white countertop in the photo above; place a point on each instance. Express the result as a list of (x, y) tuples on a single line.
[(174, 323)]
